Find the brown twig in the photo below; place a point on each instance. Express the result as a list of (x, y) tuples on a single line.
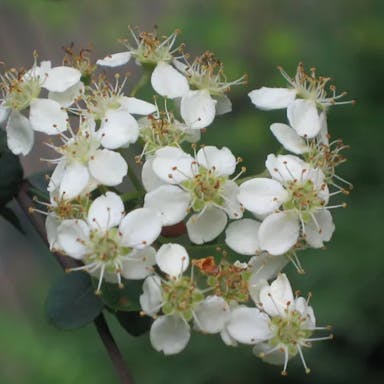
[(25, 202)]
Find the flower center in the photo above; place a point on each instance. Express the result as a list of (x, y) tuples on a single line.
[(181, 296), (105, 249), (304, 198), (20, 91), (161, 132), (152, 50), (81, 148), (290, 331), (228, 281), (206, 188), (70, 209), (206, 72)]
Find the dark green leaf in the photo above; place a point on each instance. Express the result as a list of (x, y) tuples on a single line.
[(10, 216), (72, 302), (11, 172), (134, 323), (122, 299)]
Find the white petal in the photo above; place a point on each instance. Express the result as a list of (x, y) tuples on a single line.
[(66, 98), (261, 195), (304, 118), (168, 82), (279, 232), (319, 228), (206, 226), (173, 165), (118, 129), (51, 224), (222, 160), (74, 180), (265, 267), (108, 167), (4, 113), (149, 178), (105, 212), (137, 106), (57, 176), (152, 297), (306, 311), (140, 264), (20, 135), (289, 139), (231, 204), (169, 334), (59, 79), (71, 235), (272, 98), (47, 116), (211, 314), (223, 104), (248, 325), (172, 259), (323, 134), (241, 236), (286, 167), (277, 298), (140, 228), (115, 59), (198, 109), (170, 201), (227, 338)]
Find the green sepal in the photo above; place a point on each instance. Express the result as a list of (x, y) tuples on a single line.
[(71, 302)]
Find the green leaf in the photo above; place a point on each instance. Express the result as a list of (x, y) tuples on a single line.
[(134, 323), (122, 299), (10, 216), (72, 302), (11, 172)]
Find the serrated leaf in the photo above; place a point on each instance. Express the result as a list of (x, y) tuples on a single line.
[(11, 172), (71, 302), (122, 299), (10, 216), (134, 323)]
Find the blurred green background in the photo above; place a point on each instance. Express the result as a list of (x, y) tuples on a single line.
[(344, 40)]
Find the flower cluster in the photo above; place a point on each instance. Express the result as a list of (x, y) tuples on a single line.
[(186, 190)]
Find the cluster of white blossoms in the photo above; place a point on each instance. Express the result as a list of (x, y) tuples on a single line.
[(186, 190)]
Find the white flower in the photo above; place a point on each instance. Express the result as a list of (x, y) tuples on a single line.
[(84, 165), (207, 73), (22, 91), (280, 328), (304, 101), (180, 302), (106, 103), (60, 209), (302, 193), (199, 184), (149, 49), (318, 152), (109, 243)]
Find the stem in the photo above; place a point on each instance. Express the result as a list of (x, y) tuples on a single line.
[(25, 202), (135, 180), (141, 83)]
